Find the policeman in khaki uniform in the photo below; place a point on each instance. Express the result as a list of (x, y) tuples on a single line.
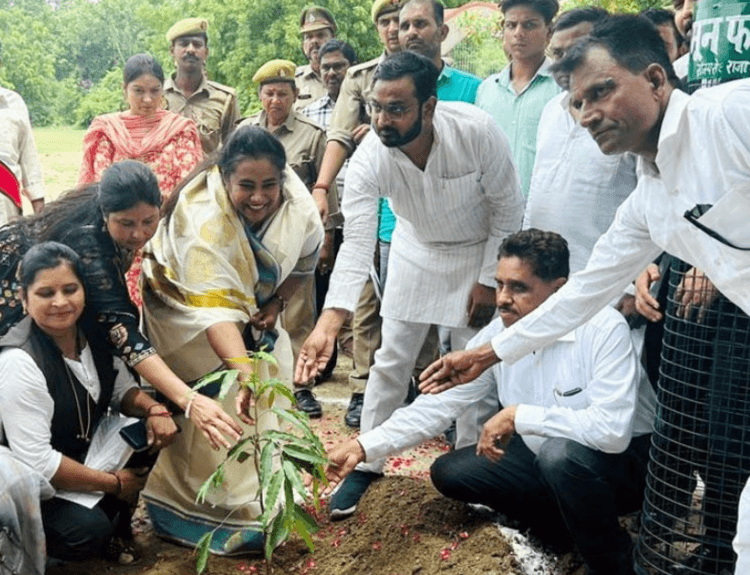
[(317, 26), (304, 142), (212, 106)]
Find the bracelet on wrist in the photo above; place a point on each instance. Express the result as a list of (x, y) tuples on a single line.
[(119, 483), (163, 413), (322, 186), (191, 397)]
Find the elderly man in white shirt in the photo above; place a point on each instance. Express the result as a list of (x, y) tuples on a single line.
[(567, 451), (19, 161), (448, 171), (694, 152)]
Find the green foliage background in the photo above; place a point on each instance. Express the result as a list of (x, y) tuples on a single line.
[(64, 57)]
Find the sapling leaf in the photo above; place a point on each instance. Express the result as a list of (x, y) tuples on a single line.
[(299, 527), (304, 454), (202, 549), (282, 389), (266, 464), (208, 379), (274, 487), (230, 376), (265, 356), (307, 521), (279, 532), (296, 418), (293, 476), (239, 446)]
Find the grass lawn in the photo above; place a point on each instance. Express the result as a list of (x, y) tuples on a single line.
[(60, 152)]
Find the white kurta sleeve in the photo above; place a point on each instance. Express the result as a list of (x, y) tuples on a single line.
[(27, 410)]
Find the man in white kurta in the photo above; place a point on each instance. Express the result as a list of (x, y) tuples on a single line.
[(456, 195), (18, 153)]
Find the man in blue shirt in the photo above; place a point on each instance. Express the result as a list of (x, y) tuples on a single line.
[(516, 96)]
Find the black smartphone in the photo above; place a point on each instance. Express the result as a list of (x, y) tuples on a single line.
[(135, 435)]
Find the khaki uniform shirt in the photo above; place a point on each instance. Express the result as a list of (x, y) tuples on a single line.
[(213, 107), (350, 106), (305, 144), (310, 86)]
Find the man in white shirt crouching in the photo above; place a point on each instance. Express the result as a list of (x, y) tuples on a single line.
[(568, 448)]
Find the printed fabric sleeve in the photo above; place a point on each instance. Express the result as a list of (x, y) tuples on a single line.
[(98, 154), (107, 294)]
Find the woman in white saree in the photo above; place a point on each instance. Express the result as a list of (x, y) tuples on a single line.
[(236, 242)]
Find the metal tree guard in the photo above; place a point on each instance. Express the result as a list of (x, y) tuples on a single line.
[(700, 452)]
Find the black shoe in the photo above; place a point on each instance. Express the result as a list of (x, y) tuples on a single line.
[(346, 496), (354, 411), (306, 402)]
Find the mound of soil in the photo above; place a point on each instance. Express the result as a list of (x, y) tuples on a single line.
[(402, 527)]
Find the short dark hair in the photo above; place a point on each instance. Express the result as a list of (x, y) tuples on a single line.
[(632, 41), (576, 16), (437, 9), (336, 45), (660, 17), (546, 252), (47, 256), (140, 65), (421, 70), (547, 8)]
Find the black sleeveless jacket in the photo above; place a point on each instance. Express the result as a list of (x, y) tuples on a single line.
[(66, 426)]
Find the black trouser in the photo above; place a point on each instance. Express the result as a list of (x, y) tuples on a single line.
[(566, 487)]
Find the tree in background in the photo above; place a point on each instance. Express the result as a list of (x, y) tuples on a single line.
[(64, 56)]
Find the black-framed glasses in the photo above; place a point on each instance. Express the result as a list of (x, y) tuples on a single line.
[(394, 111)]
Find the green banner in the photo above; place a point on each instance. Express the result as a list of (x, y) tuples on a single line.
[(720, 47)]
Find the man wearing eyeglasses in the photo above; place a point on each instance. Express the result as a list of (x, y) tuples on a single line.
[(447, 169)]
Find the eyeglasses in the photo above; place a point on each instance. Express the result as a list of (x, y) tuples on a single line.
[(394, 111)]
